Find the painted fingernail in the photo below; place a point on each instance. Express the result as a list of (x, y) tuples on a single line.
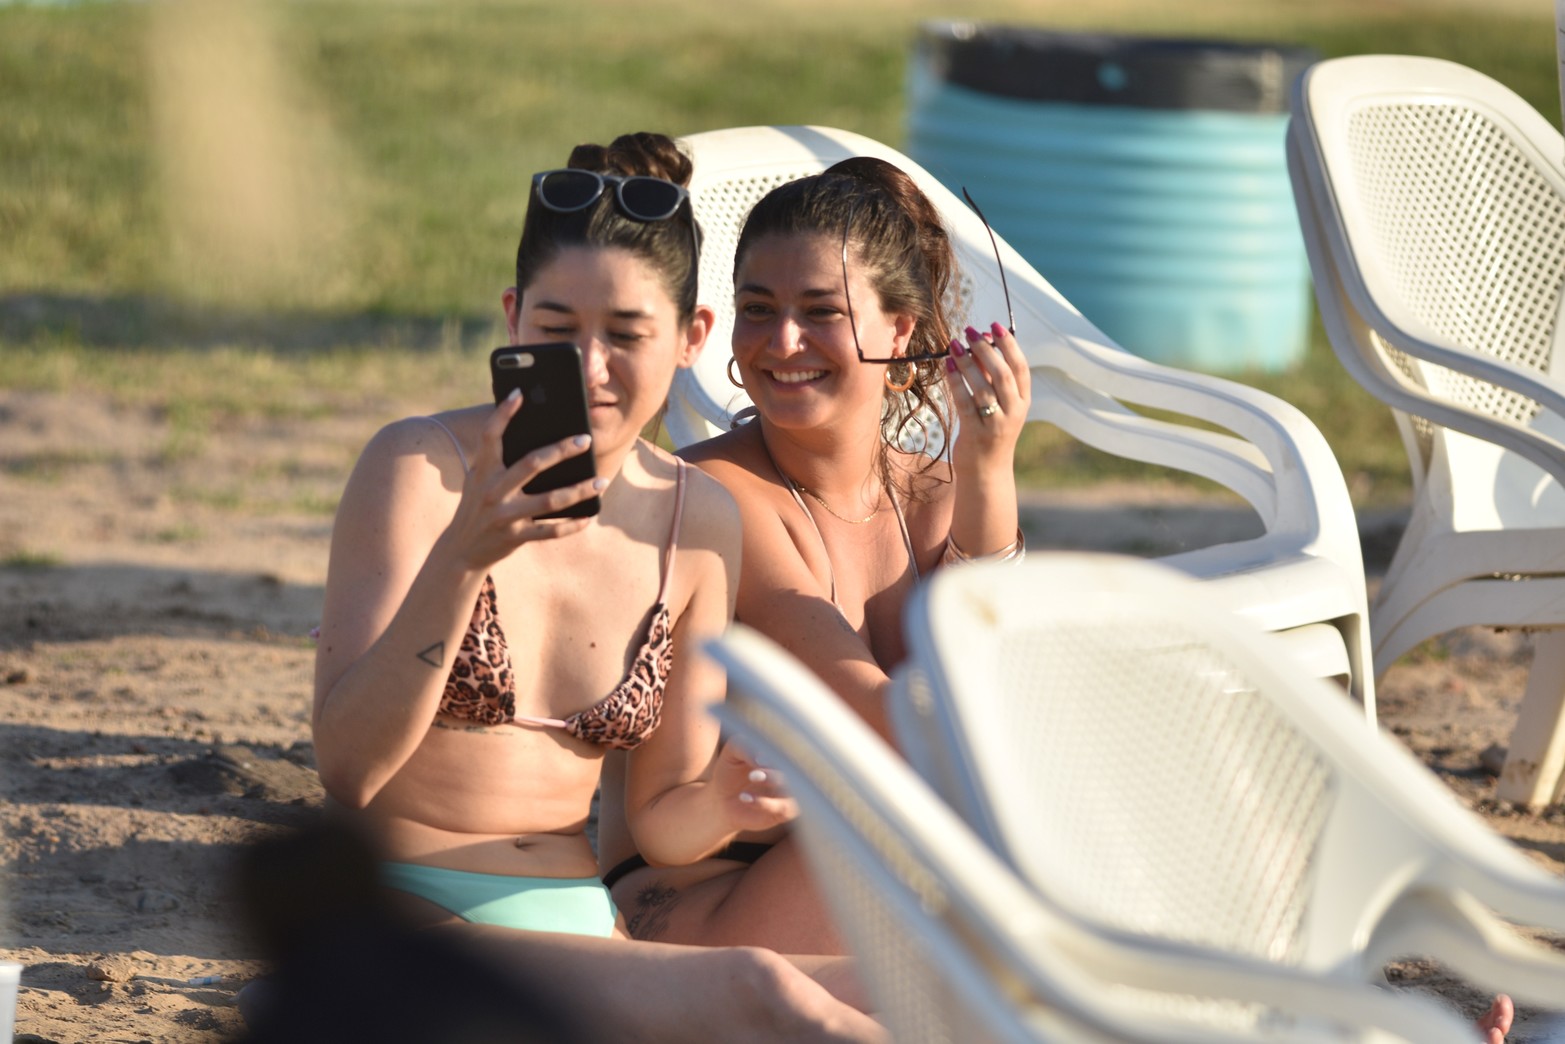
[(957, 348), (516, 393), (997, 330), (757, 776), (746, 798), (600, 484), (581, 441), (973, 335), (950, 365)]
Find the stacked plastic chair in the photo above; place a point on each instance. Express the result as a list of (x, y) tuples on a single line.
[(1433, 205), (955, 947), (1156, 766), (1302, 578)]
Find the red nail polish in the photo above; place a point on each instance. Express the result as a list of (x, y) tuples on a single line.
[(950, 365), (973, 335), (957, 349), (998, 330)]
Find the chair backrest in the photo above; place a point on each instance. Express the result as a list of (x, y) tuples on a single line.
[(1433, 204), (1155, 765), (955, 947), (932, 977)]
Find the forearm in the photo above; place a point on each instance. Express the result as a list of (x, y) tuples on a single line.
[(376, 713), (985, 514), (683, 825)]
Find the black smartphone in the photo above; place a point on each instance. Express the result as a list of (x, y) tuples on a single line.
[(554, 407)]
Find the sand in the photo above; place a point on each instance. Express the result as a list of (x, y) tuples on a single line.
[(155, 685)]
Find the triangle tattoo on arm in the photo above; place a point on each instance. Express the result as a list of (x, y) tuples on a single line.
[(435, 655)]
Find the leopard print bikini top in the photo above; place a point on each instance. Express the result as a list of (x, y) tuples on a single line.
[(482, 685)]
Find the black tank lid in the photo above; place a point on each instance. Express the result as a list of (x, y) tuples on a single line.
[(1111, 69)]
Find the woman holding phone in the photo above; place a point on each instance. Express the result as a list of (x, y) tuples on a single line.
[(479, 653), (845, 290)]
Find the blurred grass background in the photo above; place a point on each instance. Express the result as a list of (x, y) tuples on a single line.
[(396, 139)]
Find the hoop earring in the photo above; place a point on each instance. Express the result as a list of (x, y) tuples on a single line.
[(904, 385), (736, 382)]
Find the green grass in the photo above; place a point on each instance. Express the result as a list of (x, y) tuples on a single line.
[(200, 390), (432, 115), (30, 560)]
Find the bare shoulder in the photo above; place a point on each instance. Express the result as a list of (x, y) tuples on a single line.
[(736, 459), (711, 515), (414, 457), (453, 434)]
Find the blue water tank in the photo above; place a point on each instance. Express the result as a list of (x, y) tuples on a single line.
[(1146, 179)]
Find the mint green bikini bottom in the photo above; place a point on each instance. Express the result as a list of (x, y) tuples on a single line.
[(578, 905)]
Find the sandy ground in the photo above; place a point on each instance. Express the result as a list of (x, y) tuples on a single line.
[(155, 679)]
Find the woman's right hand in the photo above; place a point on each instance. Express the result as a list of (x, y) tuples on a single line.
[(495, 515)]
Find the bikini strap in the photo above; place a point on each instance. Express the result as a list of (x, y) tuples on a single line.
[(462, 456), (673, 530), (793, 491), (907, 541)]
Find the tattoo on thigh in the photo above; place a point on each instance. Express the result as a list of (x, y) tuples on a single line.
[(653, 906), (435, 655)]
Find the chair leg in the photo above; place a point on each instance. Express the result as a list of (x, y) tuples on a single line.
[(1536, 759)]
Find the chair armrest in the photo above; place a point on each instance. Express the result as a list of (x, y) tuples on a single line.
[(1546, 452), (1457, 930), (1277, 460)]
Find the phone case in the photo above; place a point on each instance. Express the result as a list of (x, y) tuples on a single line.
[(554, 407)]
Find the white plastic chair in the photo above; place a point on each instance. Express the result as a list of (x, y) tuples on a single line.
[(1303, 577), (1433, 205), (954, 947), (1156, 765)]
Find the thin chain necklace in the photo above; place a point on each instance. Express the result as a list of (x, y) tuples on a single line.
[(799, 487), (829, 509)]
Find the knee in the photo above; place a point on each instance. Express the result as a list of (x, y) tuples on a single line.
[(776, 996)]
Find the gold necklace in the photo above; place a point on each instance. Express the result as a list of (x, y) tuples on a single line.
[(829, 509), (799, 488)]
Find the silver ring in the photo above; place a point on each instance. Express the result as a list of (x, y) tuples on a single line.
[(989, 410)]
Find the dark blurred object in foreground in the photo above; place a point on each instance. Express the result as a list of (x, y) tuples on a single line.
[(347, 969)]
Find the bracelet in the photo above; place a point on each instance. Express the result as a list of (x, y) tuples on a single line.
[(1015, 551)]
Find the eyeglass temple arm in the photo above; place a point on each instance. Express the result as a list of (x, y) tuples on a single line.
[(1010, 314)]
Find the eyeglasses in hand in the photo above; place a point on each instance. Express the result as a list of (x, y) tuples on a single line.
[(944, 349)]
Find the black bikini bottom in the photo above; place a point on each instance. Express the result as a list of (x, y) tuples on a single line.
[(746, 852)]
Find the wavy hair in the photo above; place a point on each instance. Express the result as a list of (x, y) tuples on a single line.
[(899, 241)]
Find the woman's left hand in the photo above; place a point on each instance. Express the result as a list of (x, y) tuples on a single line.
[(752, 796), (990, 385)]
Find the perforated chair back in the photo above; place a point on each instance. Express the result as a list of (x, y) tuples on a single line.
[(1456, 217), (1155, 765)]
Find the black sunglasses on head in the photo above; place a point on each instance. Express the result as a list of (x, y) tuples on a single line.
[(640, 196), (944, 350)]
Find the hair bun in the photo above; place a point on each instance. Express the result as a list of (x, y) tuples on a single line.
[(643, 152)]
